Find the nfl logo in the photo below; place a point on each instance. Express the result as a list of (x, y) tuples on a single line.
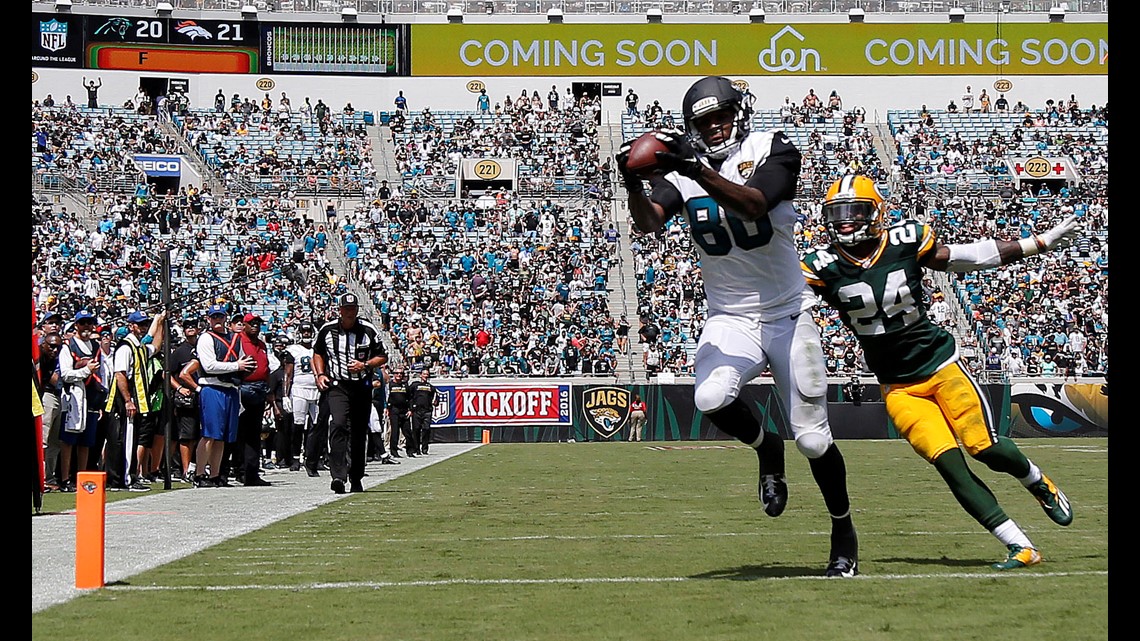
[(53, 35)]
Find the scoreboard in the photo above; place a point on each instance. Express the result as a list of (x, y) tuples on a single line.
[(184, 45), (172, 45)]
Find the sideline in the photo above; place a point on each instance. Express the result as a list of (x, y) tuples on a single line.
[(188, 521)]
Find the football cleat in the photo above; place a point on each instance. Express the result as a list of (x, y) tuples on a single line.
[(1019, 557), (337, 486), (1052, 500), (842, 567), (773, 494)]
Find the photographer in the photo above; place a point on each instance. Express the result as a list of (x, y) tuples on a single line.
[(854, 390)]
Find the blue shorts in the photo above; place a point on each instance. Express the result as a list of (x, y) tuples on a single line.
[(220, 406), (86, 438)]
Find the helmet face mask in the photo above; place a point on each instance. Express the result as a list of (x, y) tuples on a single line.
[(853, 210), (707, 96)]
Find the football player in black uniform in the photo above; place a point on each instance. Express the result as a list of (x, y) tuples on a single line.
[(735, 188), (873, 277)]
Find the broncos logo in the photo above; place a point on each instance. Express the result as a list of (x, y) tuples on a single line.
[(191, 30), (116, 26)]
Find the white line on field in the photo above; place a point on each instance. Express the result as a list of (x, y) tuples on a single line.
[(591, 537), (378, 585)]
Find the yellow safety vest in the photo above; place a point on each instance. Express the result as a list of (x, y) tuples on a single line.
[(145, 368)]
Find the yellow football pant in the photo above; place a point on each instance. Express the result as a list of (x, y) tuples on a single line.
[(936, 414)]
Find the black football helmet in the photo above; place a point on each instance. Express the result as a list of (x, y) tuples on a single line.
[(707, 95), (306, 335)]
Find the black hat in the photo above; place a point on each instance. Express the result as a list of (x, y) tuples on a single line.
[(347, 300)]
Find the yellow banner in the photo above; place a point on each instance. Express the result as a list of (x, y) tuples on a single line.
[(759, 49)]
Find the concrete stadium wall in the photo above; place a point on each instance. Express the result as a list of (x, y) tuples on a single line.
[(875, 94)]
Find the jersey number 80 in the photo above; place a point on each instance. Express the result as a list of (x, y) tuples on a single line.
[(717, 233)]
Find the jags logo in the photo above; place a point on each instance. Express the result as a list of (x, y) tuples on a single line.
[(1077, 409), (89, 487), (192, 30), (745, 168), (605, 409)]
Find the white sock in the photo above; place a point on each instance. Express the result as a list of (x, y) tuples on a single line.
[(1010, 534), (1033, 477)]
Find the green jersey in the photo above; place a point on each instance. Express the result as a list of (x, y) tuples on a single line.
[(880, 300)]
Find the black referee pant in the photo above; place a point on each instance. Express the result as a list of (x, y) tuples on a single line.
[(350, 404)]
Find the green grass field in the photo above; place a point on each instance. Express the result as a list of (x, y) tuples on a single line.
[(622, 541)]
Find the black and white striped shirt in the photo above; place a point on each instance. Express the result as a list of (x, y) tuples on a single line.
[(339, 347)]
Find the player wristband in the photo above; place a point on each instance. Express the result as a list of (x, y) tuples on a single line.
[(1032, 245)]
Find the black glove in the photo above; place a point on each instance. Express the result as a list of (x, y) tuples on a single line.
[(681, 157), (632, 181)]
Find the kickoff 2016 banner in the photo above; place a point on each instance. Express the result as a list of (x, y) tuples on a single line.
[(830, 49), (502, 405)]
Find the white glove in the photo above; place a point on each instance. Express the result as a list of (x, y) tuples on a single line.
[(1065, 231)]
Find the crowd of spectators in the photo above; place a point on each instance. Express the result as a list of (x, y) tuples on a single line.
[(85, 145), (272, 145), (251, 254), (553, 140), (505, 284), (514, 287)]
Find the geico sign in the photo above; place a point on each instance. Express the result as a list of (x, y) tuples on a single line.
[(165, 166)]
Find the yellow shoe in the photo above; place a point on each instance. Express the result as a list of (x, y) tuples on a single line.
[(1019, 557)]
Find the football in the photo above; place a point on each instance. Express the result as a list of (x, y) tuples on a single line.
[(643, 154)]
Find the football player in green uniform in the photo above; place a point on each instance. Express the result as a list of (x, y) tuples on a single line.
[(873, 276)]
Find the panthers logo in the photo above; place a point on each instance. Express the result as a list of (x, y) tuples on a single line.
[(191, 30), (116, 26), (605, 409)]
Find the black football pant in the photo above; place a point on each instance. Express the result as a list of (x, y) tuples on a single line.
[(376, 439), (288, 444), (317, 437), (421, 427), (401, 424)]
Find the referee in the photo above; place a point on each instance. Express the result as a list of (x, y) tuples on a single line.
[(345, 353)]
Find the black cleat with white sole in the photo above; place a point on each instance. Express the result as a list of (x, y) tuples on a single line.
[(773, 492), (842, 567)]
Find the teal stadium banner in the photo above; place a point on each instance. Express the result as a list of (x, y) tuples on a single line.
[(601, 413)]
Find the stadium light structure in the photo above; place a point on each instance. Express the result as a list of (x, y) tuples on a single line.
[(348, 14), (957, 14), (1057, 14), (249, 12), (856, 14), (164, 9), (756, 15), (455, 15), (554, 15), (653, 15)]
